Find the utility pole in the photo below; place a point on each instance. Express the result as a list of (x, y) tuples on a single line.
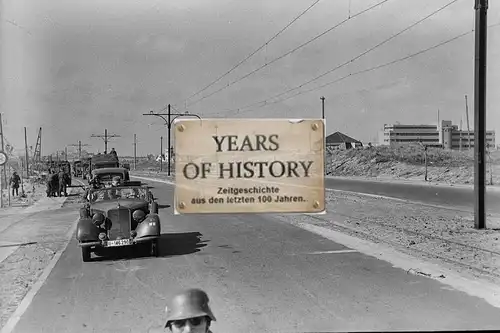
[(467, 115), (161, 153), (4, 173), (106, 138), (324, 134), (79, 145), (322, 107), (135, 151), (168, 123), (460, 145), (66, 153), (26, 150), (481, 8)]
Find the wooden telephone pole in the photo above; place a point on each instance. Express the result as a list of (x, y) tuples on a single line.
[(79, 145), (106, 138), (467, 115), (168, 122), (26, 151), (3, 179), (135, 151), (481, 8), (161, 153)]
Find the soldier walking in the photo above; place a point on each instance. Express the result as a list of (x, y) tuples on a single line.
[(50, 181), (14, 183)]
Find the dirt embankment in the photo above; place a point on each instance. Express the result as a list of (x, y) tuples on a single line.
[(408, 162)]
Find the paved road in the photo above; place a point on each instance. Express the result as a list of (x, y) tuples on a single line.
[(261, 276), (460, 197), (449, 196)]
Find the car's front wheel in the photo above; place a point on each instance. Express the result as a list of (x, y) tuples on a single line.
[(86, 254)]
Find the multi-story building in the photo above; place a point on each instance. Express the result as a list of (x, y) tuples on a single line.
[(445, 135)]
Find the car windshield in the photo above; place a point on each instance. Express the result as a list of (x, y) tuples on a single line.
[(107, 177), (112, 193)]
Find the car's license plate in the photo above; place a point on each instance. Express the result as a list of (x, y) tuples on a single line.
[(118, 242)]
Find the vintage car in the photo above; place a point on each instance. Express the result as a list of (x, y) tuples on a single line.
[(126, 215), (105, 175)]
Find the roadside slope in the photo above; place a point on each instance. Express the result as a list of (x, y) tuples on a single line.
[(408, 162)]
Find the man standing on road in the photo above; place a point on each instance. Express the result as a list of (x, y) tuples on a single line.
[(14, 183), (62, 176), (189, 311), (50, 184)]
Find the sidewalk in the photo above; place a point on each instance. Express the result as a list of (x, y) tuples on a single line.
[(11, 216), (29, 239), (28, 243)]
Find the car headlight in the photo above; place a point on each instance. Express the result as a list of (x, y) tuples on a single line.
[(98, 219)]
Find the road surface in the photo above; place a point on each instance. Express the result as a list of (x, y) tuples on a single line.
[(460, 197), (262, 275)]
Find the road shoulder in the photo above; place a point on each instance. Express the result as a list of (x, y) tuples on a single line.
[(37, 236)]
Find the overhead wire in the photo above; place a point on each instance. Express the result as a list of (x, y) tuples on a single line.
[(18, 26), (254, 52), (236, 111), (289, 52), (357, 57)]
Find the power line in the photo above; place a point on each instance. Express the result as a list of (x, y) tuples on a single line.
[(18, 26), (357, 57), (254, 52), (365, 70), (289, 52)]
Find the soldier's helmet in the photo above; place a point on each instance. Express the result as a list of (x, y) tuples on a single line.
[(190, 303)]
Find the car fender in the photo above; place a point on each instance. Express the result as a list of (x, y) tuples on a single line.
[(86, 231), (149, 227)]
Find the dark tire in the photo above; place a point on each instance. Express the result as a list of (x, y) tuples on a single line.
[(154, 208), (86, 254), (154, 248)]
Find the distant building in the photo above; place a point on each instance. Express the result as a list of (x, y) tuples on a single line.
[(339, 140), (445, 135)]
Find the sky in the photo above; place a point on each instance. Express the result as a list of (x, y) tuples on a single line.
[(76, 68)]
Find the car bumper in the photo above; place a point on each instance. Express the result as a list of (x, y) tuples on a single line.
[(103, 244)]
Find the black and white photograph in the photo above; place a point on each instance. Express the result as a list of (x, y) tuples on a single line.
[(225, 166)]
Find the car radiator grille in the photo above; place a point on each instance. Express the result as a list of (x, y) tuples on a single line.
[(120, 223)]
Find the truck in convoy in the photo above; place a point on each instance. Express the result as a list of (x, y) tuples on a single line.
[(100, 161)]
